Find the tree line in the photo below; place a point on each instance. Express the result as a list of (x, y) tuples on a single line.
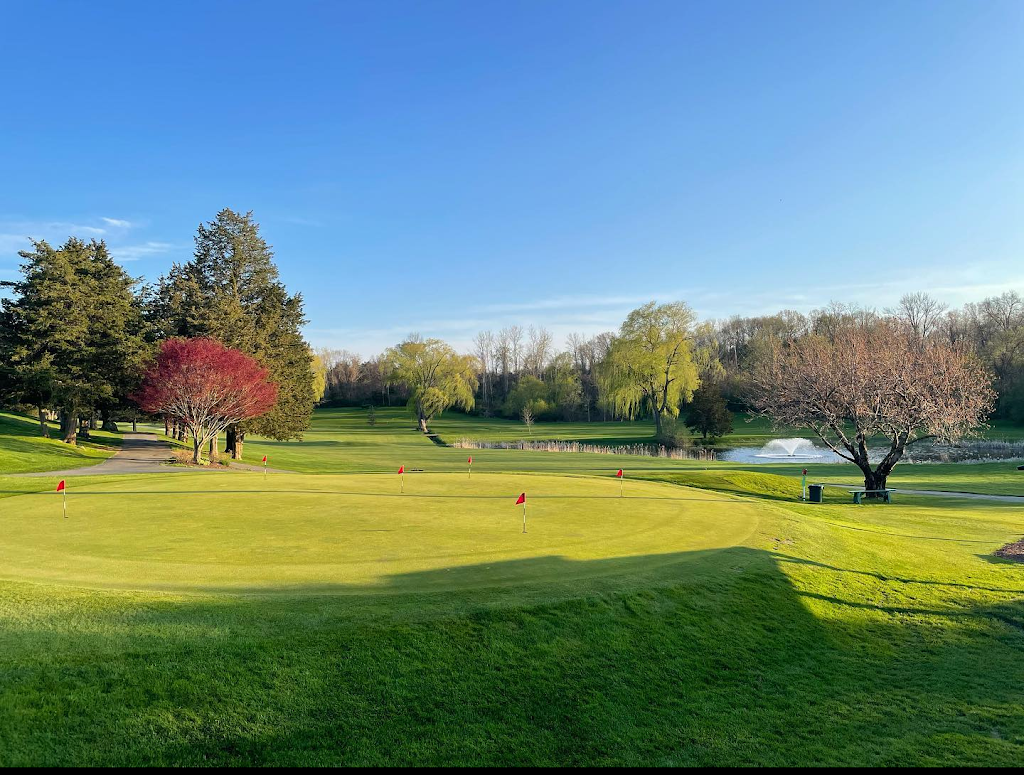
[(77, 332), (660, 361), (664, 364)]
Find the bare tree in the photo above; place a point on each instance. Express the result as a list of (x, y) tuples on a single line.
[(527, 417), (920, 313), (484, 343), (515, 344), (870, 382), (503, 356), (538, 351)]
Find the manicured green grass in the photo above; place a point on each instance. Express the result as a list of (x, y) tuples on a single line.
[(220, 618), (341, 532), (341, 441), (23, 449)]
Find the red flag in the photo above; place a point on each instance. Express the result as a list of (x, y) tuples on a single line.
[(619, 474), (470, 461), (264, 458), (401, 470), (60, 486), (522, 499)]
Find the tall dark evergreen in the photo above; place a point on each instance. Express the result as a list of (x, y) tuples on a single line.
[(73, 333), (231, 291), (708, 414)]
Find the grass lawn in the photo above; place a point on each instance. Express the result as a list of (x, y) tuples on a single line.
[(708, 617), (23, 449)]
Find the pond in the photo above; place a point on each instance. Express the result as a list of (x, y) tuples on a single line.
[(806, 451)]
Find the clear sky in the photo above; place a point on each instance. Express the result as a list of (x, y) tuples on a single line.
[(443, 167)]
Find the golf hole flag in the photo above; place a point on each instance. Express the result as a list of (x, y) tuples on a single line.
[(63, 491), (522, 500), (618, 474), (469, 462), (264, 468), (401, 472)]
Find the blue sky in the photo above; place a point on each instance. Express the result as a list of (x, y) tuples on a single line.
[(443, 167)]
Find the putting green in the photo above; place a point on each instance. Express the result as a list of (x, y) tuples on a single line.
[(237, 532)]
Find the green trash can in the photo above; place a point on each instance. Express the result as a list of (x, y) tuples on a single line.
[(815, 492)]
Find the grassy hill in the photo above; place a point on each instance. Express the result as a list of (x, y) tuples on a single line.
[(24, 450)]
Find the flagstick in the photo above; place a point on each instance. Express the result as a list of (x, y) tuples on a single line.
[(403, 483), (524, 516), (64, 492), (620, 486), (264, 469)]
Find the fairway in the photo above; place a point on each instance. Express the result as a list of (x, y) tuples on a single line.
[(337, 534)]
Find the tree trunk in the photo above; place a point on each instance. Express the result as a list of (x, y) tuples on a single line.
[(68, 427), (214, 453), (658, 424), (234, 439), (167, 425), (196, 448), (43, 427), (107, 424), (874, 480)]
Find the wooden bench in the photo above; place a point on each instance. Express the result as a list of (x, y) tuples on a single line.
[(858, 495)]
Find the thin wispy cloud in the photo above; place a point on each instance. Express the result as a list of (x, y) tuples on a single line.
[(593, 314), (137, 252), (17, 234)]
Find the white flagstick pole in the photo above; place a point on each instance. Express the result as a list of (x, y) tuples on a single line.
[(620, 485), (524, 516), (264, 468), (64, 492)]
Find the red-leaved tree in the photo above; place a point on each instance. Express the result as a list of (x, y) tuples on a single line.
[(206, 387)]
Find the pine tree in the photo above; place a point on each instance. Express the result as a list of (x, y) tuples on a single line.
[(72, 335), (230, 291), (708, 413)]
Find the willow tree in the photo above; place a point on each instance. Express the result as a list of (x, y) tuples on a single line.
[(652, 363), (874, 384), (436, 376)]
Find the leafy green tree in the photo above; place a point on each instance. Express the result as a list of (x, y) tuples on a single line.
[(566, 385), (708, 413), (529, 393), (436, 376), (231, 291), (319, 378), (651, 365)]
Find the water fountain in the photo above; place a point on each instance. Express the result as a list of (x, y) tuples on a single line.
[(786, 448)]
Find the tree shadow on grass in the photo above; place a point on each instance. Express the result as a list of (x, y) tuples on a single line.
[(714, 657)]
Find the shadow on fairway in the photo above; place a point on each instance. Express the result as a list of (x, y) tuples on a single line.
[(731, 657)]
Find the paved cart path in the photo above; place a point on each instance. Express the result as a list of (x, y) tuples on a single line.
[(943, 494), (142, 453)]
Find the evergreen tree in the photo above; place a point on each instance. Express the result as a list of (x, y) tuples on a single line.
[(708, 414), (72, 335), (230, 291)]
